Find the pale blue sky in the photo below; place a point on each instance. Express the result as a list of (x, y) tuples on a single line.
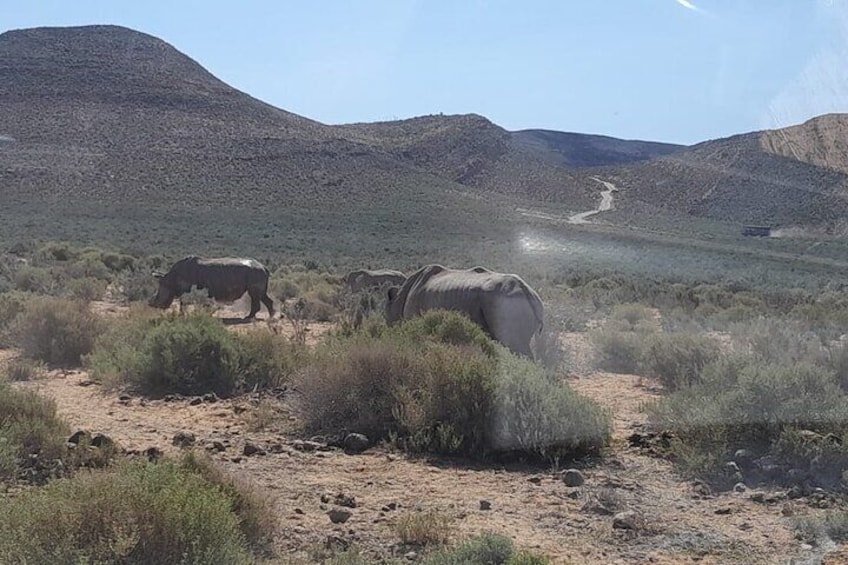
[(665, 70)]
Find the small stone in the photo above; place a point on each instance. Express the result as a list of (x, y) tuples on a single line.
[(723, 511), (485, 505), (153, 453), (210, 397), (277, 448), (806, 546), (298, 511), (184, 439), (572, 478), (236, 459), (410, 555), (536, 480), (355, 443), (251, 448), (739, 487), (625, 520), (787, 510), (79, 436), (195, 401), (102, 441), (345, 500), (339, 515), (215, 446)]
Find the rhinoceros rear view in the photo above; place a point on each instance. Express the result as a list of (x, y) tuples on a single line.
[(226, 280)]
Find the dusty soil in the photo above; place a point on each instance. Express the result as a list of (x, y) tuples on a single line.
[(532, 505)]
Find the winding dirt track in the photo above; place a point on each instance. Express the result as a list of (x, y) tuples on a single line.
[(606, 203)]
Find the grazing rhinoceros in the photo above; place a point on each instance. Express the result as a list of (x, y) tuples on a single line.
[(364, 279), (505, 306), (226, 280)]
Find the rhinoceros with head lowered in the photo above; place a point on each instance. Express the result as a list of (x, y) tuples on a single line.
[(505, 306), (226, 280)]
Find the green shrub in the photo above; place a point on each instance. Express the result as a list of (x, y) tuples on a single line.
[(18, 370), (29, 430), (618, 351), (138, 513), (34, 279), (538, 415), (11, 305), (423, 529), (488, 548), (86, 289), (744, 402), (267, 360), (677, 359), (461, 397), (257, 517), (633, 314), (55, 330), (192, 354), (832, 526)]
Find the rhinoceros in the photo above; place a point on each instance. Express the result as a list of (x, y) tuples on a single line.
[(505, 306), (226, 280), (365, 280)]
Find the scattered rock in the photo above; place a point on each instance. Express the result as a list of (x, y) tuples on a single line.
[(80, 436), (731, 467), (210, 397), (277, 448), (251, 448), (787, 510), (298, 511), (355, 443), (237, 459), (739, 487), (572, 478), (536, 480), (87, 382), (306, 445), (723, 511), (216, 446), (339, 515), (701, 489), (125, 399), (345, 500), (410, 555), (325, 498), (153, 453), (628, 520), (102, 441), (795, 492), (195, 401), (184, 439), (485, 505)]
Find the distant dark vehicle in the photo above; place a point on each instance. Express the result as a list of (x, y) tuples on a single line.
[(505, 306), (365, 280), (756, 231), (226, 280)]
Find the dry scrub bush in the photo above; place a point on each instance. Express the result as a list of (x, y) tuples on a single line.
[(191, 354), (137, 513), (30, 429), (423, 529), (755, 405), (55, 330), (437, 384), (677, 359)]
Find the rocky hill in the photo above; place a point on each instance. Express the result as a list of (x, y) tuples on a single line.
[(106, 122)]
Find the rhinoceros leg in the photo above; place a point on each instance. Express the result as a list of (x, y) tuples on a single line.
[(269, 304), (254, 305)]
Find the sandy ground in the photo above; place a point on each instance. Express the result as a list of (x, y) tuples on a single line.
[(532, 505)]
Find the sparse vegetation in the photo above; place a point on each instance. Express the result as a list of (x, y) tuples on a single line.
[(423, 529), (56, 331), (192, 354), (135, 513), (437, 384)]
